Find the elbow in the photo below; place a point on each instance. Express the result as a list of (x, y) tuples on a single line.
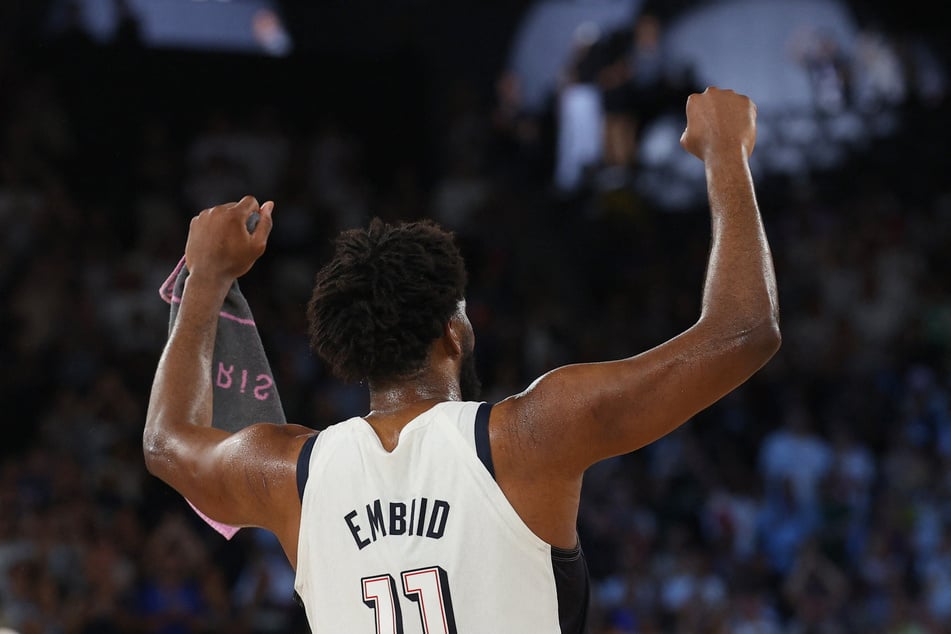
[(154, 450), (763, 339), (749, 340), (771, 337), (150, 452)]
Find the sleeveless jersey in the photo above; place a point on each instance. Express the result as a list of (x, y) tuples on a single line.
[(421, 540)]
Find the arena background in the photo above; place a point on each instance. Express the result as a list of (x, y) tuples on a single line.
[(816, 498)]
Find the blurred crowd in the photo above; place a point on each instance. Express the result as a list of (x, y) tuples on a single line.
[(814, 499)]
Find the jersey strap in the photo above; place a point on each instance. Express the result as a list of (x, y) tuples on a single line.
[(572, 581), (483, 449), (303, 464)]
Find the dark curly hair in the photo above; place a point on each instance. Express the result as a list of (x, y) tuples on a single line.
[(383, 299)]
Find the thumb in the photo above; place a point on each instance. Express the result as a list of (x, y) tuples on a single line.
[(266, 222), (254, 217), (267, 209)]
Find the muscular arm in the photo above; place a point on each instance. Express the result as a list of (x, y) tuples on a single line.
[(246, 478), (580, 414)]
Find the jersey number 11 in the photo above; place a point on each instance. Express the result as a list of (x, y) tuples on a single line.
[(427, 587)]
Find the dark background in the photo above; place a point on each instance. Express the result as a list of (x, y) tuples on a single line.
[(95, 196)]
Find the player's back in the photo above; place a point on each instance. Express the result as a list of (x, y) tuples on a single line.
[(421, 539)]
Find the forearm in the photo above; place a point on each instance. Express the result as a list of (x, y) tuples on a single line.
[(182, 389), (740, 287)]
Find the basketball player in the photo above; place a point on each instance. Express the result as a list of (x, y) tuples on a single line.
[(434, 512)]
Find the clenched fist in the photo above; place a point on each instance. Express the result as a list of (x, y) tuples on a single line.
[(219, 245), (719, 121)]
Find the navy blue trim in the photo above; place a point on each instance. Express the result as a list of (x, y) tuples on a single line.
[(573, 588), (483, 448), (303, 464)]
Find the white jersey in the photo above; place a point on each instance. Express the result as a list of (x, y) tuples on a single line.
[(421, 540)]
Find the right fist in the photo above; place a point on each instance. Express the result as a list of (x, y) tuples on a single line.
[(719, 121), (219, 243)]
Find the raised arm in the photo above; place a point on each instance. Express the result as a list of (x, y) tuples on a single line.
[(579, 414), (241, 478)]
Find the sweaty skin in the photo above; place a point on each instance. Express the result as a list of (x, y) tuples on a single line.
[(542, 439)]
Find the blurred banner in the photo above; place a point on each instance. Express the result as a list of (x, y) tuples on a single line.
[(549, 34), (241, 26)]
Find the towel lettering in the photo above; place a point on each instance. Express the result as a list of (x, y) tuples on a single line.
[(262, 383)]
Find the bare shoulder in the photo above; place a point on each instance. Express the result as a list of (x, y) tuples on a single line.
[(534, 427), (530, 435), (249, 477), (261, 445), (274, 436)]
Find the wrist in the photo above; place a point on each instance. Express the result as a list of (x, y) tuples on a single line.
[(210, 288), (731, 154)]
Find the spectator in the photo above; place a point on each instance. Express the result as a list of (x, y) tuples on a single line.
[(580, 113), (785, 524), (817, 590), (640, 84), (827, 67), (795, 455)]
